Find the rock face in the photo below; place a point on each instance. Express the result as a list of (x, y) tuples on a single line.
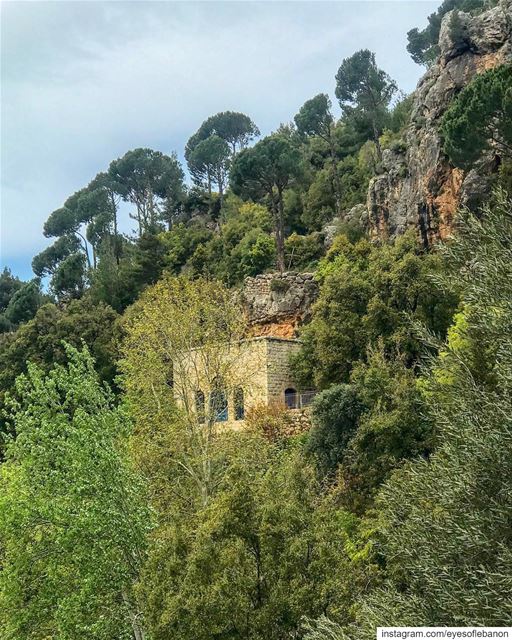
[(418, 187), (278, 303)]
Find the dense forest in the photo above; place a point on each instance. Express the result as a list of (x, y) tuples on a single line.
[(127, 514)]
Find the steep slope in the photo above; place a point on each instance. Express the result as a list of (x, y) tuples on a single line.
[(418, 187)]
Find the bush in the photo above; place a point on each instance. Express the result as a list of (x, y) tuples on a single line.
[(335, 414), (273, 421), (302, 252)]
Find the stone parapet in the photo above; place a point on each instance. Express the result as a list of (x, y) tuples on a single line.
[(278, 303)]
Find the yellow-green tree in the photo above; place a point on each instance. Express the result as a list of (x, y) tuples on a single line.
[(183, 358)]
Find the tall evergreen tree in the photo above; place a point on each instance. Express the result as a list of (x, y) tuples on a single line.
[(364, 92), (263, 172)]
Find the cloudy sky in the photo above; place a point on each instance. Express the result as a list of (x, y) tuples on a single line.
[(83, 82)]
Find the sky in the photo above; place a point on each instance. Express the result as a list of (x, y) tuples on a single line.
[(84, 82)]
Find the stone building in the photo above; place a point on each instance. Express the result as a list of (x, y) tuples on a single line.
[(224, 387), (221, 383)]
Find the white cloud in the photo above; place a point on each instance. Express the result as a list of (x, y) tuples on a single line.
[(84, 82)]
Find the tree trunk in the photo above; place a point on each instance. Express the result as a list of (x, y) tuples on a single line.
[(86, 249), (220, 182), (139, 219), (279, 229), (114, 218), (152, 210), (138, 631)]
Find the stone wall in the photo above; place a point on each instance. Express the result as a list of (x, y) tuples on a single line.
[(278, 303), (300, 421), (238, 365), (279, 378)]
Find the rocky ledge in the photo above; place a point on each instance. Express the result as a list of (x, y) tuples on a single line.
[(278, 303)]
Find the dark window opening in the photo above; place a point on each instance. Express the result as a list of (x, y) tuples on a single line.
[(290, 398), (239, 403), (219, 405), (200, 408)]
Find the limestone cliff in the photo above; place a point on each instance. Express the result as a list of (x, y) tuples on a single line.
[(418, 187)]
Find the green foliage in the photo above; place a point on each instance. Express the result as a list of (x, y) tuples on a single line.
[(147, 179), (72, 516), (235, 128), (364, 92), (445, 528), (214, 145), (19, 300), (393, 429), (120, 283), (66, 265), (315, 117), (68, 281), (364, 430), (265, 551), (272, 421), (241, 518), (9, 284), (423, 45), (262, 173), (116, 282), (370, 293), (242, 247), (401, 113), (480, 118), (211, 156), (181, 242), (303, 252), (354, 175), (24, 303), (40, 341), (392, 509), (335, 415), (505, 177), (323, 629), (46, 262), (254, 254), (319, 205)]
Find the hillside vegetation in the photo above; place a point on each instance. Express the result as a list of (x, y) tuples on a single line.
[(125, 513)]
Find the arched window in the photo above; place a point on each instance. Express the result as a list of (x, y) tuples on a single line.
[(200, 406), (290, 398), (219, 403), (239, 403)]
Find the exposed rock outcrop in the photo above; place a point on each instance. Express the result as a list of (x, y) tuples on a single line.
[(278, 303), (357, 215), (418, 187)]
